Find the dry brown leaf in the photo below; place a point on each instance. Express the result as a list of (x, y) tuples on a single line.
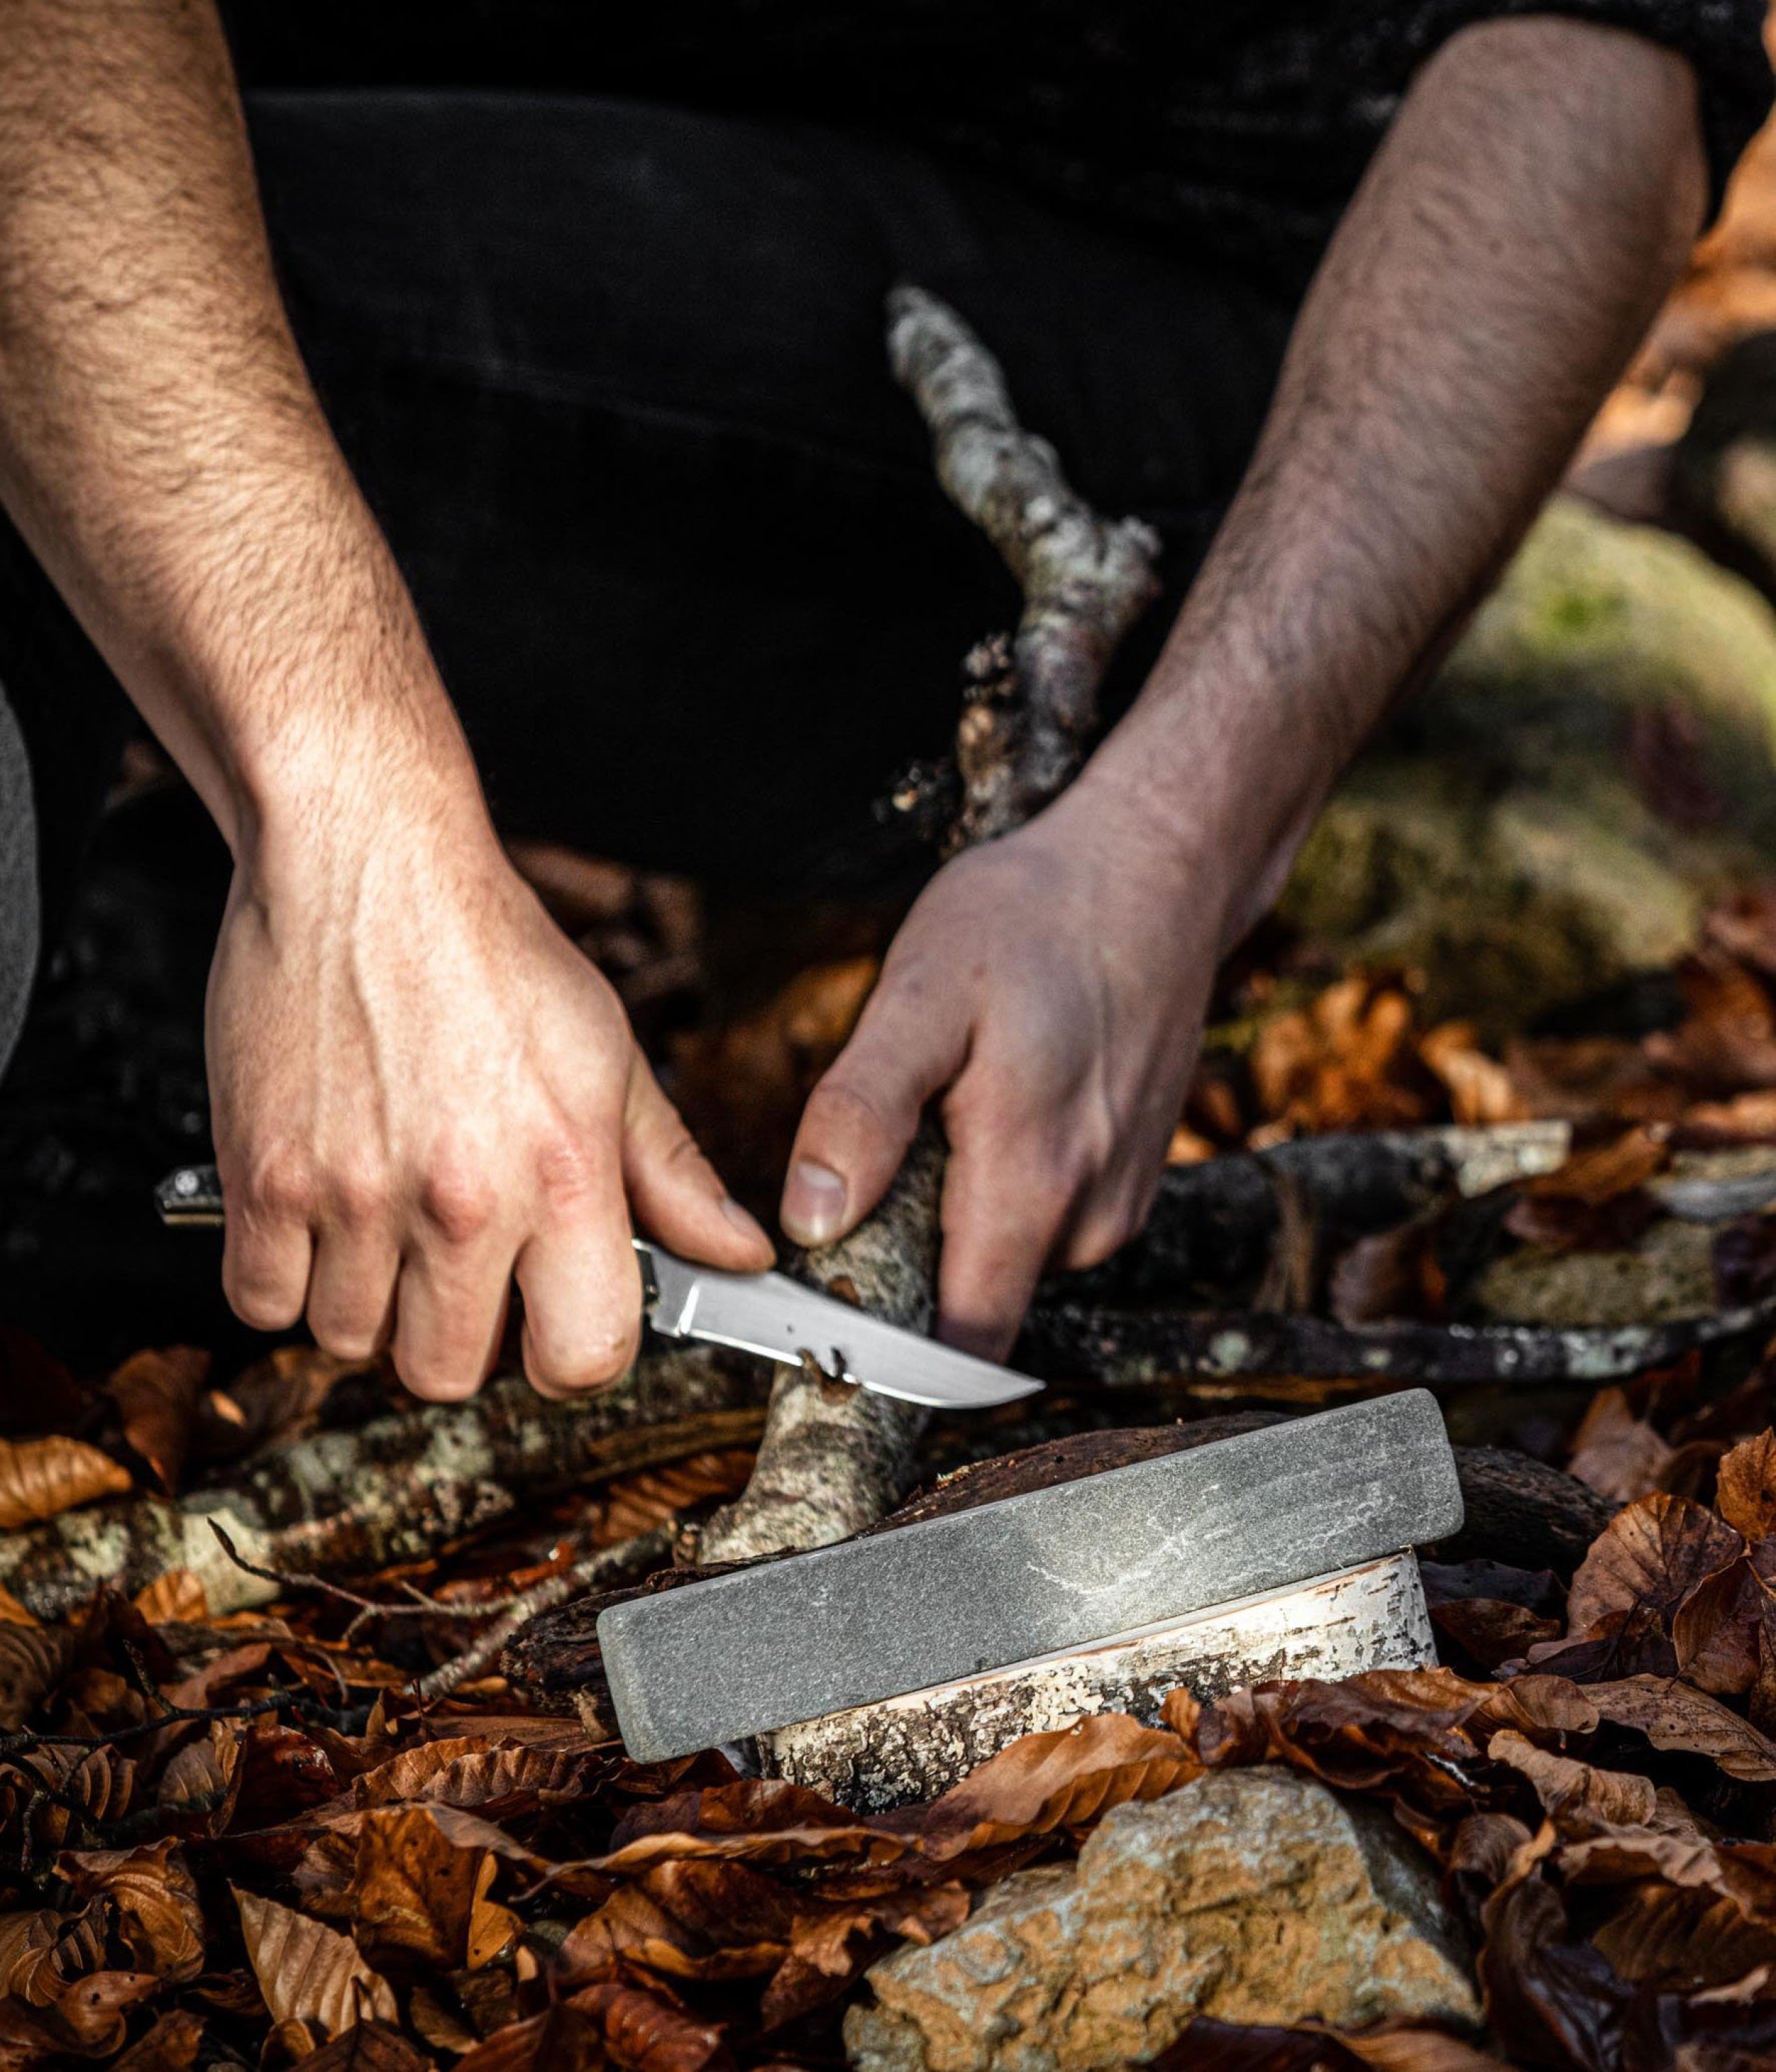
[(33, 1659), (688, 1920), (171, 2046), (12, 1613), (1392, 1273), (1617, 1453), (278, 1400), (412, 1892), (1578, 1797), (1676, 1716), (1602, 1171), (200, 1779), (1650, 1555), (1481, 1092), (43, 1950), (1745, 1490), (91, 2018), (368, 2046), (176, 1596), (42, 1478), (306, 1972), (1066, 1778), (154, 1899), (562, 2039), (1727, 1043), (1492, 1630), (157, 1395), (644, 2032)]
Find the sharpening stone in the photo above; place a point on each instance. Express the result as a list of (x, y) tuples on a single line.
[(1030, 1575)]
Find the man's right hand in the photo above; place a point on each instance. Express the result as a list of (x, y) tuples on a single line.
[(422, 1091)]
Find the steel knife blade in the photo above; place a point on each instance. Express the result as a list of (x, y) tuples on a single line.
[(766, 1313)]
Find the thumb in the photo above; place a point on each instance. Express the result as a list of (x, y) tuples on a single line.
[(861, 1117), (677, 1194)]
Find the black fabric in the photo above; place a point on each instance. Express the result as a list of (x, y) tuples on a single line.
[(1245, 125), (614, 379)]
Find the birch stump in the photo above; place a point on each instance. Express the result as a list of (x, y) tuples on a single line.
[(834, 1458)]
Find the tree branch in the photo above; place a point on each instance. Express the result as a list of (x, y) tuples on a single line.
[(832, 1461)]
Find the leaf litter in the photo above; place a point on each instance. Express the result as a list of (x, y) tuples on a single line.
[(254, 1839)]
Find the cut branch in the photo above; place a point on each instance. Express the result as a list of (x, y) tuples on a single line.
[(834, 1460), (398, 1488)]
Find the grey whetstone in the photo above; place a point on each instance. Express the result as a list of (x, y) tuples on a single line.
[(1049, 1569)]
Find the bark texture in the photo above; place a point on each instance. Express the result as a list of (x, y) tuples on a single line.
[(391, 1491), (833, 1460)]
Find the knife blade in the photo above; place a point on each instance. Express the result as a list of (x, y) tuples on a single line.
[(766, 1313)]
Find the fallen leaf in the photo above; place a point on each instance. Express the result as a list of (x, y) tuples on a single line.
[(12, 1613), (175, 1596), (412, 1892), (1727, 1042), (278, 1400), (1205, 2044), (1649, 1556), (42, 1478), (1617, 1453), (33, 1659), (1481, 1092), (91, 2018), (367, 2046), (1066, 1778), (645, 2032), (1392, 1273), (171, 2046), (154, 1902), (635, 1503), (157, 1395), (1676, 1716), (561, 2039), (1602, 1172), (1492, 1631), (199, 1779), (307, 1972), (1578, 1797), (1745, 1489)]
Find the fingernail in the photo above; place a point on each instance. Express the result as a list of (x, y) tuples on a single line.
[(748, 1226), (814, 1203)]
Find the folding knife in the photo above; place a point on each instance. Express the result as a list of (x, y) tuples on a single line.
[(766, 1313)]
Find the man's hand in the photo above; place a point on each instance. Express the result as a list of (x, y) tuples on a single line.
[(421, 1090), (1051, 987), (1533, 202)]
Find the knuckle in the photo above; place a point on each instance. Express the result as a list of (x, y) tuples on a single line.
[(567, 1175), (358, 1193), (282, 1186), (459, 1204), (841, 1105)]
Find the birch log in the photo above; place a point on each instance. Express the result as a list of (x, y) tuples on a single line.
[(915, 1747), (393, 1489), (834, 1460)]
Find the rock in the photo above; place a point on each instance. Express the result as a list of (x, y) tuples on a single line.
[(1592, 764), (1250, 1896)]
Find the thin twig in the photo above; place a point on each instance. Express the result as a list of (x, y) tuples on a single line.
[(418, 1605), (596, 1570)]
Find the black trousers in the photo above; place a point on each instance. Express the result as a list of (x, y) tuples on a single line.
[(613, 378)]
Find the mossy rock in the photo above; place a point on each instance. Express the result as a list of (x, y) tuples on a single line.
[(1506, 834)]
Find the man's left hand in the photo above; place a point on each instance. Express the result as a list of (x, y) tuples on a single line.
[(1050, 986)]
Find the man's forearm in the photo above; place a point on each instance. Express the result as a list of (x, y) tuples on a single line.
[(1518, 229), (160, 445)]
